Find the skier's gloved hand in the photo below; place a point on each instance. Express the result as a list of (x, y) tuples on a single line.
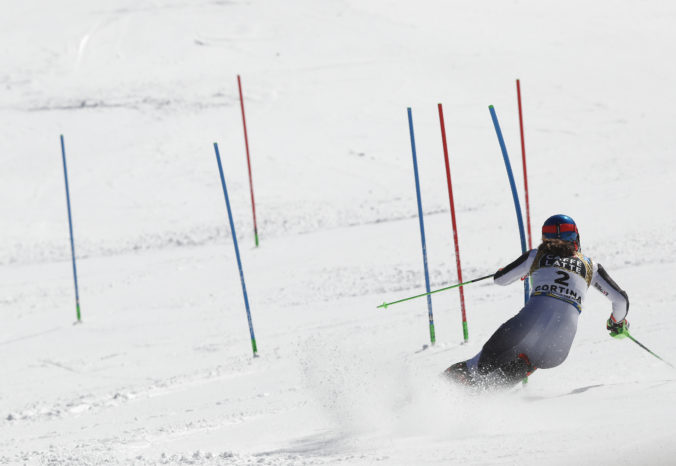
[(618, 329)]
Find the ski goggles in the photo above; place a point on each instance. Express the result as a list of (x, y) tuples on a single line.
[(564, 231)]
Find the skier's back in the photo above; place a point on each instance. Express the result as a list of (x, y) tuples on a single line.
[(541, 334)]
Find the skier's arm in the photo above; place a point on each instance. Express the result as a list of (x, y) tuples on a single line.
[(606, 285), (517, 269)]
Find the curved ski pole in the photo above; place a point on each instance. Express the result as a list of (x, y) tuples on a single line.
[(384, 305), (645, 348)]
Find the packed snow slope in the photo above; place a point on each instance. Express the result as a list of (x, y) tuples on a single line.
[(161, 371)]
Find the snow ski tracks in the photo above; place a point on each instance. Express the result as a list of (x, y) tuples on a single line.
[(40, 411)]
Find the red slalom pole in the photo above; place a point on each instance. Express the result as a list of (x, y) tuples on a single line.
[(523, 156), (465, 332), (248, 161)]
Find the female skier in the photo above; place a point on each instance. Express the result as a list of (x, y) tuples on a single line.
[(541, 334)]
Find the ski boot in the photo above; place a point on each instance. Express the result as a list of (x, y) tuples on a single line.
[(460, 374), (513, 372)]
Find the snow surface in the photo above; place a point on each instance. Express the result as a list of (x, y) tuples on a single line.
[(161, 370)]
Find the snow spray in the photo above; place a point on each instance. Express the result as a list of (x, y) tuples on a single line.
[(234, 241), (510, 175), (70, 228), (248, 160), (422, 227), (523, 157), (465, 332)]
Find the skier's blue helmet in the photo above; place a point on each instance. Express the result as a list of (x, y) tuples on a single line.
[(561, 227)]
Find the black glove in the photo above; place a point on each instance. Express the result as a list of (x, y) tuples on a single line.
[(618, 329)]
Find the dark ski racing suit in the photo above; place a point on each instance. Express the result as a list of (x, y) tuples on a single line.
[(541, 334)]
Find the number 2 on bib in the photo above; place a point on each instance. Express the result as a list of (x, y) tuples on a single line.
[(563, 279)]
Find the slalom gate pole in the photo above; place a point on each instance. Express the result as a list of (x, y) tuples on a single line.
[(422, 228), (239, 261), (523, 157), (465, 332), (517, 206), (248, 161), (643, 346), (384, 305), (70, 228), (510, 175)]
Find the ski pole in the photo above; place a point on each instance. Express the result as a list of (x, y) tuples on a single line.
[(384, 305), (645, 348)]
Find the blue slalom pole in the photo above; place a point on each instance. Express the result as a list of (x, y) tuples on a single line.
[(70, 228), (517, 206), (422, 227), (239, 261)]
